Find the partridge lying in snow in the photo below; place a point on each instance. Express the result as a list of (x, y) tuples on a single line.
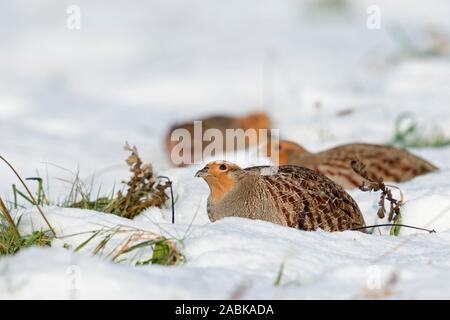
[(389, 163), (292, 196), (256, 120)]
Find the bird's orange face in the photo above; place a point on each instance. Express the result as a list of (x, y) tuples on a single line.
[(217, 175), (281, 152)]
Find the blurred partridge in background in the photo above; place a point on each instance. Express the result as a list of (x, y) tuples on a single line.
[(292, 196), (389, 163), (255, 120)]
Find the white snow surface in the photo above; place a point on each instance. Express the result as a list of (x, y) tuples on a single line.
[(70, 99)]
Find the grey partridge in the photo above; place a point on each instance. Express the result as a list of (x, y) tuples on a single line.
[(255, 120), (287, 195), (389, 163)]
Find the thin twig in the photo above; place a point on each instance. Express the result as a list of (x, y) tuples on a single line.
[(9, 218), (394, 225), (30, 194)]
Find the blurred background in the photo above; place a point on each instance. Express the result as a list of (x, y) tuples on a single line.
[(70, 98)]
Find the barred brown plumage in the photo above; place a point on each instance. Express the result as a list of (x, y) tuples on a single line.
[(389, 163), (287, 195)]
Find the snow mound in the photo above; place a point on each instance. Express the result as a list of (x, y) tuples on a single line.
[(231, 258), (430, 212)]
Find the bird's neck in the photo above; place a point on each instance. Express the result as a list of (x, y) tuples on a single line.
[(220, 186)]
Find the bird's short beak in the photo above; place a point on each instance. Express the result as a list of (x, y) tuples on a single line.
[(202, 173)]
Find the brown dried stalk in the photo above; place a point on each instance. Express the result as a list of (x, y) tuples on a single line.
[(8, 217), (143, 191), (378, 185), (139, 239)]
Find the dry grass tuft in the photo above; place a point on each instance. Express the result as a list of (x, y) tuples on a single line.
[(31, 197), (163, 251), (143, 191), (11, 241)]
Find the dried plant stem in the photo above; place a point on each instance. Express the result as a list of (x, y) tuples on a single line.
[(171, 196), (394, 225), (379, 185), (30, 194), (9, 218)]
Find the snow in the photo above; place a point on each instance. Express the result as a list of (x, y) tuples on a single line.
[(239, 257), (235, 257), (70, 99)]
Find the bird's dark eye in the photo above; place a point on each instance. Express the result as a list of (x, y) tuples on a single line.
[(280, 147), (222, 167)]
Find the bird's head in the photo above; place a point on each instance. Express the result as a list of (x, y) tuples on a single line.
[(284, 151), (221, 177)]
